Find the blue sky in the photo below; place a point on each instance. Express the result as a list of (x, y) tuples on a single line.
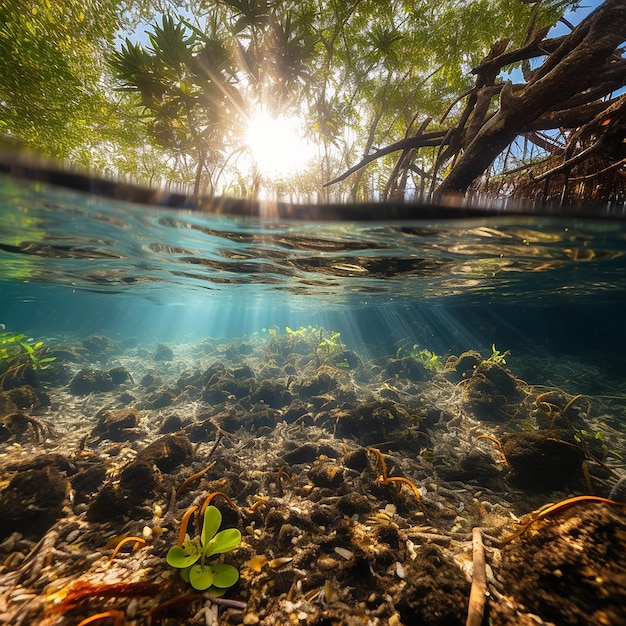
[(575, 17)]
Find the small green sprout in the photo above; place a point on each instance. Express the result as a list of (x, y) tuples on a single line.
[(303, 331), (18, 352), (331, 345), (428, 359), (191, 557), (497, 356), (13, 346), (583, 434)]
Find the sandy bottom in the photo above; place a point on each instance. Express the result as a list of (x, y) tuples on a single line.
[(367, 490)]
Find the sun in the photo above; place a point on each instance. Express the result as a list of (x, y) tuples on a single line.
[(277, 144)]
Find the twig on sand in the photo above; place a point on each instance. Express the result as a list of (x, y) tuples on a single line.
[(478, 591)]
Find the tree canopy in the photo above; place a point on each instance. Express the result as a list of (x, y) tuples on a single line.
[(50, 59), (401, 99)]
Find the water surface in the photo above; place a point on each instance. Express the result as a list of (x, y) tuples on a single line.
[(78, 263), (304, 367)]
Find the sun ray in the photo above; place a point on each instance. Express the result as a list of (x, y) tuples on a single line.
[(277, 144)]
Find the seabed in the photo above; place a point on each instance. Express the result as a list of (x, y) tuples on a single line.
[(365, 489)]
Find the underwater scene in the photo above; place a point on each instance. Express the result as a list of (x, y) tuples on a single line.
[(209, 419)]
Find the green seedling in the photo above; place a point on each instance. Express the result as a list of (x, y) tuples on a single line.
[(13, 346), (33, 352), (191, 558), (17, 352), (303, 331), (428, 359), (497, 356), (331, 345)]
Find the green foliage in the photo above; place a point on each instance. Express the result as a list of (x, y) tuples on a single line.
[(51, 59), (326, 345), (191, 557), (303, 331), (497, 356), (330, 346), (427, 358), (364, 74), (17, 350), (583, 435), (186, 83)]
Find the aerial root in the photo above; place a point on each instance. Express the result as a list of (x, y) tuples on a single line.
[(385, 479), (553, 508), (117, 617), (193, 478), (184, 523), (138, 541)]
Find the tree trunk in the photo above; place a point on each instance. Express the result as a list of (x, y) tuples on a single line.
[(199, 167), (572, 68)]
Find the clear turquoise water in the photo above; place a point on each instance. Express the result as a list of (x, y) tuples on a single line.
[(550, 290), (75, 264)]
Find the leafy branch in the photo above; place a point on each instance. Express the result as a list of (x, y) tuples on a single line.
[(570, 89)]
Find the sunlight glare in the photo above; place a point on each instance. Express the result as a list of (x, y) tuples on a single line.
[(277, 144)]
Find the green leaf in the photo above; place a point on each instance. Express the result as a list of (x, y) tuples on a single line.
[(224, 541), (184, 574), (200, 577), (27, 348), (217, 592), (212, 521), (180, 557), (15, 339), (224, 575)]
